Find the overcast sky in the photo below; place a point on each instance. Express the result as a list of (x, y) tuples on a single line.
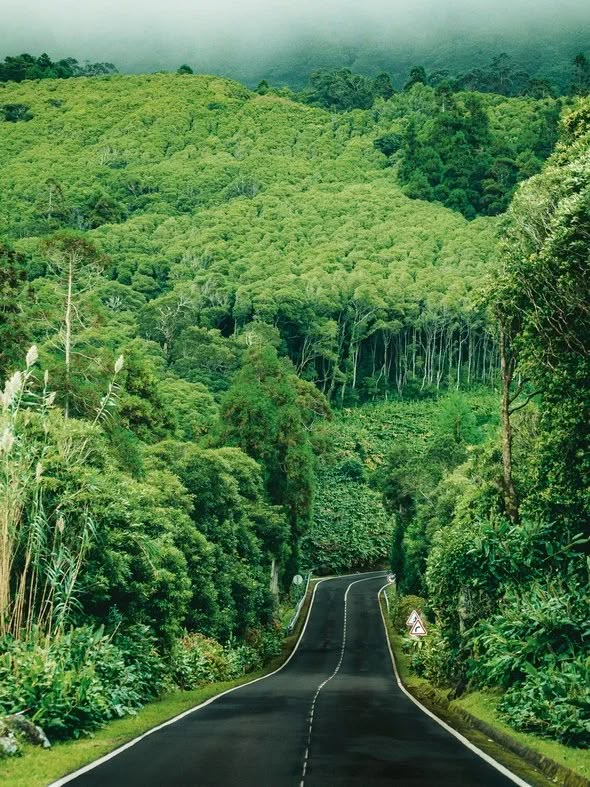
[(127, 30)]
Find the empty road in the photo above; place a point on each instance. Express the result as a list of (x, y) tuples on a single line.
[(334, 715)]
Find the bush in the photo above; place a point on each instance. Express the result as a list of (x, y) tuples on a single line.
[(80, 680), (554, 702), (267, 643), (242, 659), (197, 660), (537, 626), (401, 607), (435, 659)]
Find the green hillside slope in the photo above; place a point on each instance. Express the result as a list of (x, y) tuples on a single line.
[(253, 208), (193, 279)]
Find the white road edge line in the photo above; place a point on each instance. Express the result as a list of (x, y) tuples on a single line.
[(333, 675), (490, 760), (91, 765)]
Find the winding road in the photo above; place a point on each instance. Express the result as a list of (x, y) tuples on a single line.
[(333, 715)]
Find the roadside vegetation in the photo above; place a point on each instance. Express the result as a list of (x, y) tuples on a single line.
[(539, 761), (236, 345), (496, 540)]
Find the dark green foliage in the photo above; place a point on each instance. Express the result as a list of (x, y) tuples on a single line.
[(341, 90), (81, 679), (13, 301), (15, 113), (389, 143), (20, 67), (502, 76), (185, 69), (260, 413), (581, 82), (456, 157), (417, 77), (382, 86)]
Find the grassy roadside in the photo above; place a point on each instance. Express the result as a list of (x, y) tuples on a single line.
[(39, 767), (539, 762)]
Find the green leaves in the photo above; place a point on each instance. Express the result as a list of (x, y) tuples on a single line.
[(76, 682)]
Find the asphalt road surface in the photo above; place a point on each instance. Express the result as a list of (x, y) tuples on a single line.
[(334, 715)]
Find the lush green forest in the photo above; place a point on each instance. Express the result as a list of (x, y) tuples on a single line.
[(244, 336), (494, 533), (17, 68)]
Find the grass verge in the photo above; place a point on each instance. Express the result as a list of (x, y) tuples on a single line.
[(536, 760), (39, 767)]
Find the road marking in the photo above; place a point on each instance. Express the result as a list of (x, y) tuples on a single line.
[(490, 760), (333, 675), (74, 775)]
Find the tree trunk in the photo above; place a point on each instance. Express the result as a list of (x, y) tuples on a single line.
[(507, 364), (274, 577), (68, 335)]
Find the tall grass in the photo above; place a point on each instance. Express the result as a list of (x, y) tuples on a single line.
[(42, 549)]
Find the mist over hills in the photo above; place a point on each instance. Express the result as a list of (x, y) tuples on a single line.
[(260, 39)]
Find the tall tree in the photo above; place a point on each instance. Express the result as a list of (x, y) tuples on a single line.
[(75, 262), (261, 414), (545, 292), (13, 297), (417, 77), (581, 82)]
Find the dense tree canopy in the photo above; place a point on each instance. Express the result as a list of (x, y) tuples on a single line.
[(193, 274), (20, 67), (494, 531)]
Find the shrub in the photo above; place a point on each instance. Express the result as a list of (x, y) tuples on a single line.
[(435, 659), (267, 643), (554, 702), (537, 626), (197, 660), (78, 681), (401, 607), (242, 659)]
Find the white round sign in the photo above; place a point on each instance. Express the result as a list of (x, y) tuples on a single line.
[(297, 579)]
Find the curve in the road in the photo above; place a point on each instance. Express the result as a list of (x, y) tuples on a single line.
[(363, 728)]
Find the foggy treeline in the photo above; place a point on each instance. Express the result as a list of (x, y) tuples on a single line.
[(284, 42)]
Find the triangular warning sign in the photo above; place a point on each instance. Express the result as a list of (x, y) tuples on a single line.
[(418, 629), (413, 618)]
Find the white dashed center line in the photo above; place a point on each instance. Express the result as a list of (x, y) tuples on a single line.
[(321, 686)]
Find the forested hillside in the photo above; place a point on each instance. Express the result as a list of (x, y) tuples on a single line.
[(494, 534), (193, 278), (230, 209)]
